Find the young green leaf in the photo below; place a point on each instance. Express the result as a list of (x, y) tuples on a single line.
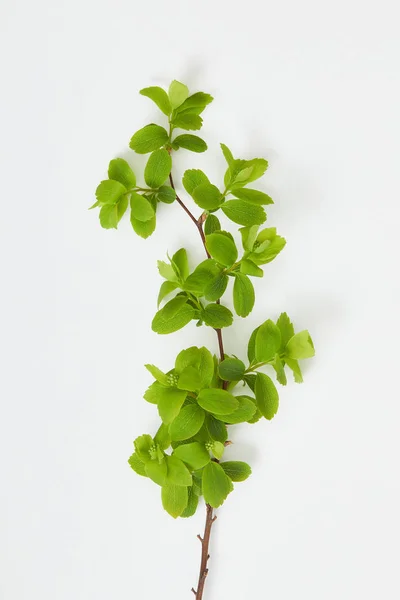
[(268, 341), (248, 267), (271, 251), (216, 430), (143, 228), (178, 92), (177, 473), (137, 465), (279, 367), (218, 449), (244, 213), (243, 295), (249, 236), (231, 369), (218, 402), (211, 224), (166, 194), (222, 248), (251, 347), (173, 316), (252, 196), (170, 402), (174, 499), (187, 423), (192, 178), (166, 288), (217, 316), (300, 346), (149, 138), (109, 192), (181, 264), (141, 209), (196, 103), (158, 168), (167, 271), (202, 276), (195, 455), (295, 367), (190, 357), (216, 484), (193, 501), (227, 154), (205, 367), (244, 412), (286, 328), (162, 437), (160, 97), (157, 374), (207, 196), (143, 444), (189, 379), (187, 121), (266, 396), (216, 287), (236, 470), (190, 142), (157, 471), (119, 170), (109, 216)]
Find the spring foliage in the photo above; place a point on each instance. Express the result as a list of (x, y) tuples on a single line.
[(200, 396)]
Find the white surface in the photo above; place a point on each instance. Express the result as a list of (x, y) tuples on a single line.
[(312, 86)]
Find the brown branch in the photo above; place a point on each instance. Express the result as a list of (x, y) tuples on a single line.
[(205, 543)]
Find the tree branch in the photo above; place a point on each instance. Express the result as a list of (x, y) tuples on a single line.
[(205, 543)]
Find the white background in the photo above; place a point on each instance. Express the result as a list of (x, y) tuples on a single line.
[(313, 87)]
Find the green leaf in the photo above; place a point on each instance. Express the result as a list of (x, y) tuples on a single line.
[(207, 196), (250, 379), (253, 196), (157, 374), (217, 316), (189, 380), (180, 262), (119, 170), (216, 287), (173, 316), (190, 357), (211, 224), (244, 213), (268, 341), (162, 437), (109, 216), (300, 346), (195, 455), (141, 209), (244, 412), (166, 288), (157, 471), (249, 236), (167, 271), (190, 142), (174, 499), (187, 121), (202, 276), (177, 473), (216, 484), (279, 367), (143, 228), (295, 367), (158, 168), (109, 192), (143, 445), (236, 470), (273, 248), (248, 267), (222, 248), (286, 328), (193, 501), (196, 103), (170, 401), (192, 178), (219, 402), (178, 92), (187, 423), (231, 369), (160, 97), (243, 295), (218, 450), (245, 171), (216, 430), (137, 465), (199, 359), (153, 392), (251, 347), (266, 396), (149, 138), (227, 154), (166, 194)]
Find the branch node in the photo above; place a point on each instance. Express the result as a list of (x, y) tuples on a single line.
[(194, 591), (200, 538), (214, 518), (228, 443)]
